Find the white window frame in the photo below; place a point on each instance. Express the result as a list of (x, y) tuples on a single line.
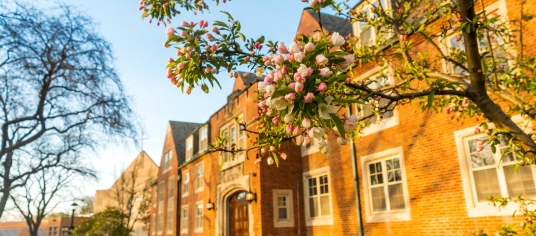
[(155, 196), (198, 218), (287, 193), (185, 184), (170, 204), (481, 209), (239, 138), (319, 220), (184, 219), (199, 179), (203, 138), (387, 216), (385, 123), (189, 146), (359, 26)]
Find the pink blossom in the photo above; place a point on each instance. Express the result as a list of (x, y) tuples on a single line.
[(214, 71), (275, 120), (290, 57), (313, 3), (488, 132), (279, 59), (294, 48), (184, 24), (479, 148), (309, 97), (290, 97), (281, 48), (214, 48), (272, 149), (207, 70), (270, 161), (289, 128), (247, 59), (292, 85), (299, 140), (298, 78), (288, 119), (309, 47), (170, 32), (189, 90), (278, 76), (458, 38), (306, 123), (178, 53), (180, 66), (209, 37), (297, 130), (284, 70), (170, 60), (215, 30), (306, 140), (321, 59), (310, 71), (184, 33), (477, 130), (284, 156), (377, 98), (322, 87), (479, 70), (325, 72), (348, 80), (298, 87), (258, 161), (268, 79)]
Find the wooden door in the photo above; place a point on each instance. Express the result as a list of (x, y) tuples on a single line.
[(238, 215)]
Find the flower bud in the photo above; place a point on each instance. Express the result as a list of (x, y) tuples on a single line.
[(309, 47), (298, 87), (306, 123), (215, 30), (270, 161), (309, 97), (322, 87), (297, 130), (281, 48), (288, 119), (284, 156), (289, 127)]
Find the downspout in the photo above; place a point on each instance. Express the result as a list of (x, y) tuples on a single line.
[(178, 208), (298, 198), (356, 182)]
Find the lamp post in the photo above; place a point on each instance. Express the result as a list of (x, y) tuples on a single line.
[(71, 228)]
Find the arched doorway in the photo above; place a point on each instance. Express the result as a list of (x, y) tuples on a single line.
[(238, 214)]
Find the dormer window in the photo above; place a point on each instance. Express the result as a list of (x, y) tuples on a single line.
[(203, 138), (167, 161), (189, 147)]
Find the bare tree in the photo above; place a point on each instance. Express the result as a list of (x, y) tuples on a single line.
[(132, 193), (49, 187), (57, 82), (86, 206)]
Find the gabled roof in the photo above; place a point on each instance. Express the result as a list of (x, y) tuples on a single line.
[(249, 79), (180, 131), (331, 23)]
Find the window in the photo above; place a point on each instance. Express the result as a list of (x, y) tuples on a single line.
[(203, 138), (317, 197), (283, 213), (185, 182), (189, 147), (155, 196), (236, 138), (153, 225), (377, 79), (167, 161), (455, 46), (160, 208), (184, 219), (65, 231), (199, 217), (367, 34), (485, 174), (171, 199), (53, 231), (199, 178), (385, 185)]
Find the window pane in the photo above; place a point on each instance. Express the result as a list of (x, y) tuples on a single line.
[(281, 201), (482, 158), (396, 196), (520, 183), (283, 214), (486, 183), (372, 169), (378, 199), (313, 207), (312, 186), (324, 206)]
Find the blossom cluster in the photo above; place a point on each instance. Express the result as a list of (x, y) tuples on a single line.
[(297, 97)]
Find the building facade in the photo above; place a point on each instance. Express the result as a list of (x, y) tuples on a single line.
[(410, 173)]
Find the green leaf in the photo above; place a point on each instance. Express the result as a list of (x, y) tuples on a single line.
[(339, 124), (336, 53), (282, 92), (275, 159), (431, 98), (493, 149)]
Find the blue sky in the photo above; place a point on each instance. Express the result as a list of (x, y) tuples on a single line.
[(141, 60)]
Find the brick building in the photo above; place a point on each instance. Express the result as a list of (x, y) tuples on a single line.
[(411, 172), (53, 226)]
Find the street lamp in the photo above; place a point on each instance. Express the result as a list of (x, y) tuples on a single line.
[(71, 228)]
